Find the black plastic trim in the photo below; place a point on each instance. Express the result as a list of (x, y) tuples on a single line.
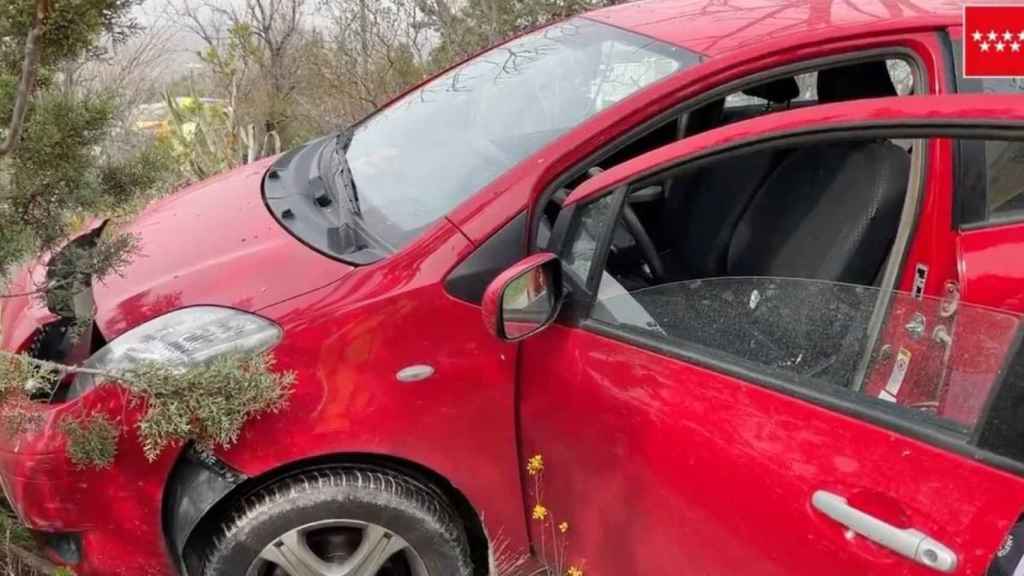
[(995, 221), (470, 278), (293, 191), (65, 545), (949, 60), (580, 297), (965, 85), (197, 482), (1002, 427), (970, 190)]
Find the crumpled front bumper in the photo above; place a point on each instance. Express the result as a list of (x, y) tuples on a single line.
[(112, 516)]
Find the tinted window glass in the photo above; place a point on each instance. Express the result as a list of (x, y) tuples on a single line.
[(991, 182), (974, 85), (416, 160), (1004, 163)]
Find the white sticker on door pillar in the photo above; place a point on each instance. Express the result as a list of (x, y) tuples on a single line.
[(899, 372)]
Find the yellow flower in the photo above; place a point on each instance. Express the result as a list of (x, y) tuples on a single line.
[(574, 571), (535, 465), (540, 512), (563, 527)]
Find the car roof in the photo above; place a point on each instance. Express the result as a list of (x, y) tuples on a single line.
[(714, 27)]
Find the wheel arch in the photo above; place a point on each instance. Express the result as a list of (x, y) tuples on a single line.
[(216, 477)]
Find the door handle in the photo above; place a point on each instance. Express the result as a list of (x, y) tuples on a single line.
[(907, 542)]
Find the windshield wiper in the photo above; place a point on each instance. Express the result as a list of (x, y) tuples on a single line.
[(342, 173)]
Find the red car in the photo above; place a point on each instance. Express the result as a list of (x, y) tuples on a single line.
[(778, 250)]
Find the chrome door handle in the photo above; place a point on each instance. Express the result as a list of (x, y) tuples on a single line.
[(907, 542)]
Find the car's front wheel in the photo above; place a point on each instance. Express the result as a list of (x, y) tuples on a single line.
[(348, 522)]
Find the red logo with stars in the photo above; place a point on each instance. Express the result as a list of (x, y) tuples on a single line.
[(993, 41)]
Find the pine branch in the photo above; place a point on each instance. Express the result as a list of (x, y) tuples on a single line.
[(64, 369), (27, 82)]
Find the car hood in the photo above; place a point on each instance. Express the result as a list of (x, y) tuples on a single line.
[(213, 243)]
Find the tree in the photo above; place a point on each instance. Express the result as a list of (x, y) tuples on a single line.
[(54, 175), (251, 53), (49, 175), (477, 24), (302, 68), (369, 55)]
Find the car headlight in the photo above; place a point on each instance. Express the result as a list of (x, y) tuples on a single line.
[(180, 339)]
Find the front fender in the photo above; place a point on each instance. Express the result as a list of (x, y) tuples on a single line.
[(346, 343)]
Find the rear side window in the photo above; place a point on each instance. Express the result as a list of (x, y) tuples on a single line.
[(990, 187), (976, 85), (1004, 172), (900, 72)]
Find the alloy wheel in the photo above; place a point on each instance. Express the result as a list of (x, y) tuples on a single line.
[(338, 548)]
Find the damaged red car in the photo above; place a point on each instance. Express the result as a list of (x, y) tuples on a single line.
[(747, 276)]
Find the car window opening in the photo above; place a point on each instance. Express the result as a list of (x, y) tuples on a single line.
[(879, 78), (737, 216)]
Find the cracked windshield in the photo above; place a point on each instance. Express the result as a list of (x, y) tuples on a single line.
[(511, 288)]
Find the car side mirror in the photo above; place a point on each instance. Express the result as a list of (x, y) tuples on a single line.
[(525, 298)]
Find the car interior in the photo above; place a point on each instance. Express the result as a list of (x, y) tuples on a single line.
[(753, 227), (826, 212)]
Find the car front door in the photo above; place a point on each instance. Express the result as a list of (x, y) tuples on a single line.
[(770, 424)]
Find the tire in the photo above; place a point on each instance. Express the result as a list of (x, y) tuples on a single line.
[(336, 515)]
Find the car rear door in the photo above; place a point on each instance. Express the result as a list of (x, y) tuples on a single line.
[(667, 449)]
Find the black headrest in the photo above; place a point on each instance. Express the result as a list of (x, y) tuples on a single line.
[(778, 91), (855, 81)]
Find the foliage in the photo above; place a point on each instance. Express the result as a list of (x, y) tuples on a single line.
[(58, 169), (208, 403), (12, 531), (53, 176), (201, 136), (280, 71), (73, 28), (19, 377), (17, 557), (56, 174), (73, 267), (482, 23), (92, 440)]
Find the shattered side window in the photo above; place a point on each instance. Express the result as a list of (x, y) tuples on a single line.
[(936, 361)]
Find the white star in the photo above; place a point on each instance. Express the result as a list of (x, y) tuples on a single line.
[(1021, 36), (1015, 47), (1000, 47), (1007, 35), (977, 35), (992, 35), (984, 46)]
